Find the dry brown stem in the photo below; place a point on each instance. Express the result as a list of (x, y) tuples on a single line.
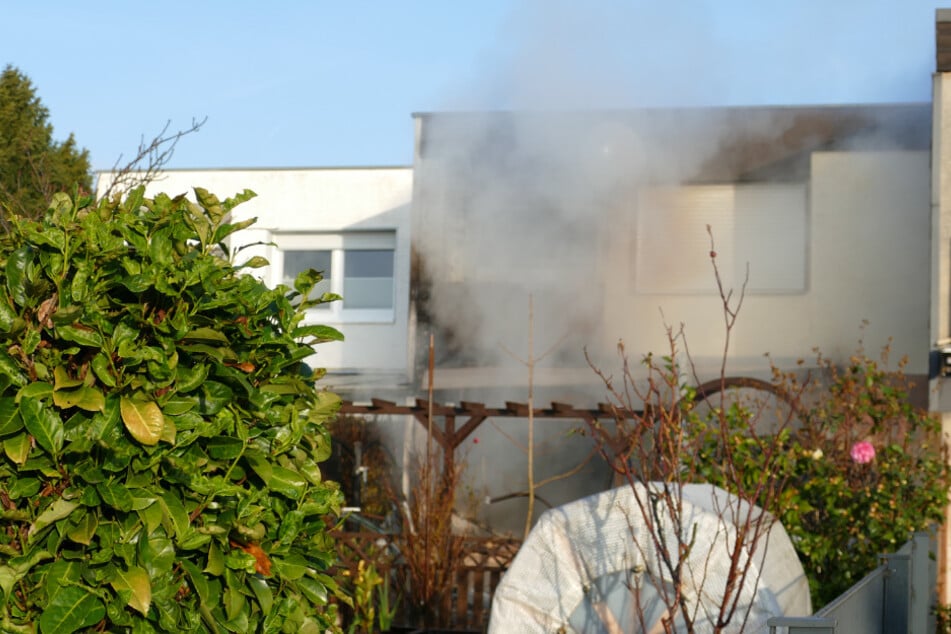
[(654, 448)]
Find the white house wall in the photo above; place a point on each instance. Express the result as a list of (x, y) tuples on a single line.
[(867, 220), (312, 201)]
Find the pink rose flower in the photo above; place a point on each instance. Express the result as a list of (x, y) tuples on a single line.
[(862, 452)]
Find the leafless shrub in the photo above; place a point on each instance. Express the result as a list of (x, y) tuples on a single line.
[(651, 445), (149, 160)]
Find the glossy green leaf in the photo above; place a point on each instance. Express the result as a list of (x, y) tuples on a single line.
[(17, 567), (287, 482), (224, 448), (66, 314), (62, 573), (61, 206), (323, 445), (84, 530), (176, 406), (17, 448), (45, 425), (194, 541), (8, 578), (83, 335), (87, 398), (189, 379), (206, 334), (313, 590), (198, 581), (226, 230), (219, 353), (115, 495), (143, 419), (10, 421), (103, 370), (72, 608), (78, 287), (11, 369), (160, 246), (35, 390), (306, 280), (136, 581), (56, 511), (31, 340), (150, 515), (259, 462), (255, 262), (169, 431), (318, 333), (214, 397), (216, 560), (326, 404), (211, 204), (8, 317), (290, 568), (62, 380), (241, 197), (157, 553), (24, 487), (16, 274), (175, 513), (262, 592), (53, 238)]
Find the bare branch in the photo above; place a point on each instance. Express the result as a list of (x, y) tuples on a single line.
[(149, 160), (657, 452)]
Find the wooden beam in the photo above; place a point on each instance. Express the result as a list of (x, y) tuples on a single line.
[(438, 434), (470, 426), (466, 408)]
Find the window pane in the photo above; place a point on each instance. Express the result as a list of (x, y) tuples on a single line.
[(368, 278), (297, 261)]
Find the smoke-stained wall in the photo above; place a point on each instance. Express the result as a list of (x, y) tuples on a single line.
[(602, 219)]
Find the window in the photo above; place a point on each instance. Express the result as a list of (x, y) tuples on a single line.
[(297, 261), (763, 226), (368, 278), (357, 265)]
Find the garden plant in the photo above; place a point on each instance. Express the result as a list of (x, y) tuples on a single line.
[(161, 432), (863, 467), (840, 457)]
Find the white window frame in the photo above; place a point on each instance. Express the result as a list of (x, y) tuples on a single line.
[(338, 243)]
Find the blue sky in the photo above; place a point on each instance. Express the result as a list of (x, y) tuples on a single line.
[(320, 83)]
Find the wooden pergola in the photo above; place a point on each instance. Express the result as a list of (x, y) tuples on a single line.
[(450, 434), (460, 421)]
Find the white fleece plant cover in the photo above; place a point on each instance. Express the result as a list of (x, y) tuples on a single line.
[(587, 566)]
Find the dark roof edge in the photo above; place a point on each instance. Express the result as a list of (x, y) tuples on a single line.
[(720, 109)]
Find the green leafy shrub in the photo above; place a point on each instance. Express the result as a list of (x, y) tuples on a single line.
[(861, 472), (161, 435)]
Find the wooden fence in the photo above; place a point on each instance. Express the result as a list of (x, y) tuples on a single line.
[(466, 606)]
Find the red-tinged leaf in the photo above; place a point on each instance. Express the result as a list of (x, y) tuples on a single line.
[(262, 563)]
